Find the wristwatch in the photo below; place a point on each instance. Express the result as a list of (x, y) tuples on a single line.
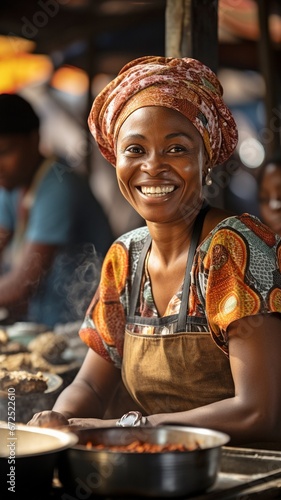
[(131, 419)]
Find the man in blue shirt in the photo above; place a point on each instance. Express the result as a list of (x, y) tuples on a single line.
[(53, 232)]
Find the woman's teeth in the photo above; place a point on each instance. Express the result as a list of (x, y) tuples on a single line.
[(156, 190)]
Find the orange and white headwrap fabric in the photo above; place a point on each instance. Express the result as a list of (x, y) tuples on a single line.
[(183, 84)]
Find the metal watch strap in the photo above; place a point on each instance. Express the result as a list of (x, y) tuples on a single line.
[(131, 419)]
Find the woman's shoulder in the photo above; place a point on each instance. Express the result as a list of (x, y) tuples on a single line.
[(127, 247), (133, 238), (124, 253), (247, 225)]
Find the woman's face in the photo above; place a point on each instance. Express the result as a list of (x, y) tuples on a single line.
[(160, 162), (270, 197)]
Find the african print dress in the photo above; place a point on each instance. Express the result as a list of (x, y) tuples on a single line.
[(234, 272)]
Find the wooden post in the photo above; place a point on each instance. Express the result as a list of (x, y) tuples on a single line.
[(192, 30), (271, 134), (174, 28)]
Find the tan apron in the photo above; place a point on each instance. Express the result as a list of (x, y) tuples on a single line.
[(177, 371)]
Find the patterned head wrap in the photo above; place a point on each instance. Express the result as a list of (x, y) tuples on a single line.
[(185, 85)]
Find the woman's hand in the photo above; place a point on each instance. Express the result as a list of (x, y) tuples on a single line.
[(51, 419), (55, 420)]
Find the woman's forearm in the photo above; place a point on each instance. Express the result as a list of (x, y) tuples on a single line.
[(79, 400), (243, 423)]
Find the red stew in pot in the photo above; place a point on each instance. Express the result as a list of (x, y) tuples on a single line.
[(143, 447)]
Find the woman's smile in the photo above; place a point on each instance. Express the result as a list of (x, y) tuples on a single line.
[(156, 190)]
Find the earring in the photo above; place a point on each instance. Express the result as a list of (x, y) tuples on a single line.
[(208, 178)]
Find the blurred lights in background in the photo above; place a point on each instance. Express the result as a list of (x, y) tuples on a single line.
[(251, 152), (71, 80), (11, 45), (18, 67)]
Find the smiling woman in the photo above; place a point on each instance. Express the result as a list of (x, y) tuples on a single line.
[(184, 316)]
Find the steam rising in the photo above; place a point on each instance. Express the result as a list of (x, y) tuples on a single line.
[(83, 268)]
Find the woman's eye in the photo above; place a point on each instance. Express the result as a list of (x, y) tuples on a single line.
[(177, 149), (134, 149)]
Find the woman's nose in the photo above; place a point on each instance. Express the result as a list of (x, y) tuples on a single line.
[(154, 164)]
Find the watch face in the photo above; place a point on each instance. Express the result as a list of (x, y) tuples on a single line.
[(130, 419)]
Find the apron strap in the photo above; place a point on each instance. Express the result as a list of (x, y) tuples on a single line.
[(185, 293), (192, 249), (138, 276)]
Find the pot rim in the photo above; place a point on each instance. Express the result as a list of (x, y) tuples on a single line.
[(223, 438), (66, 439)]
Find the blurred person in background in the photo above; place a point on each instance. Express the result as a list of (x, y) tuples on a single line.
[(269, 184), (53, 231)]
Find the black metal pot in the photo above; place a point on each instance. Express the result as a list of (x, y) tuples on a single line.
[(28, 457), (85, 471)]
